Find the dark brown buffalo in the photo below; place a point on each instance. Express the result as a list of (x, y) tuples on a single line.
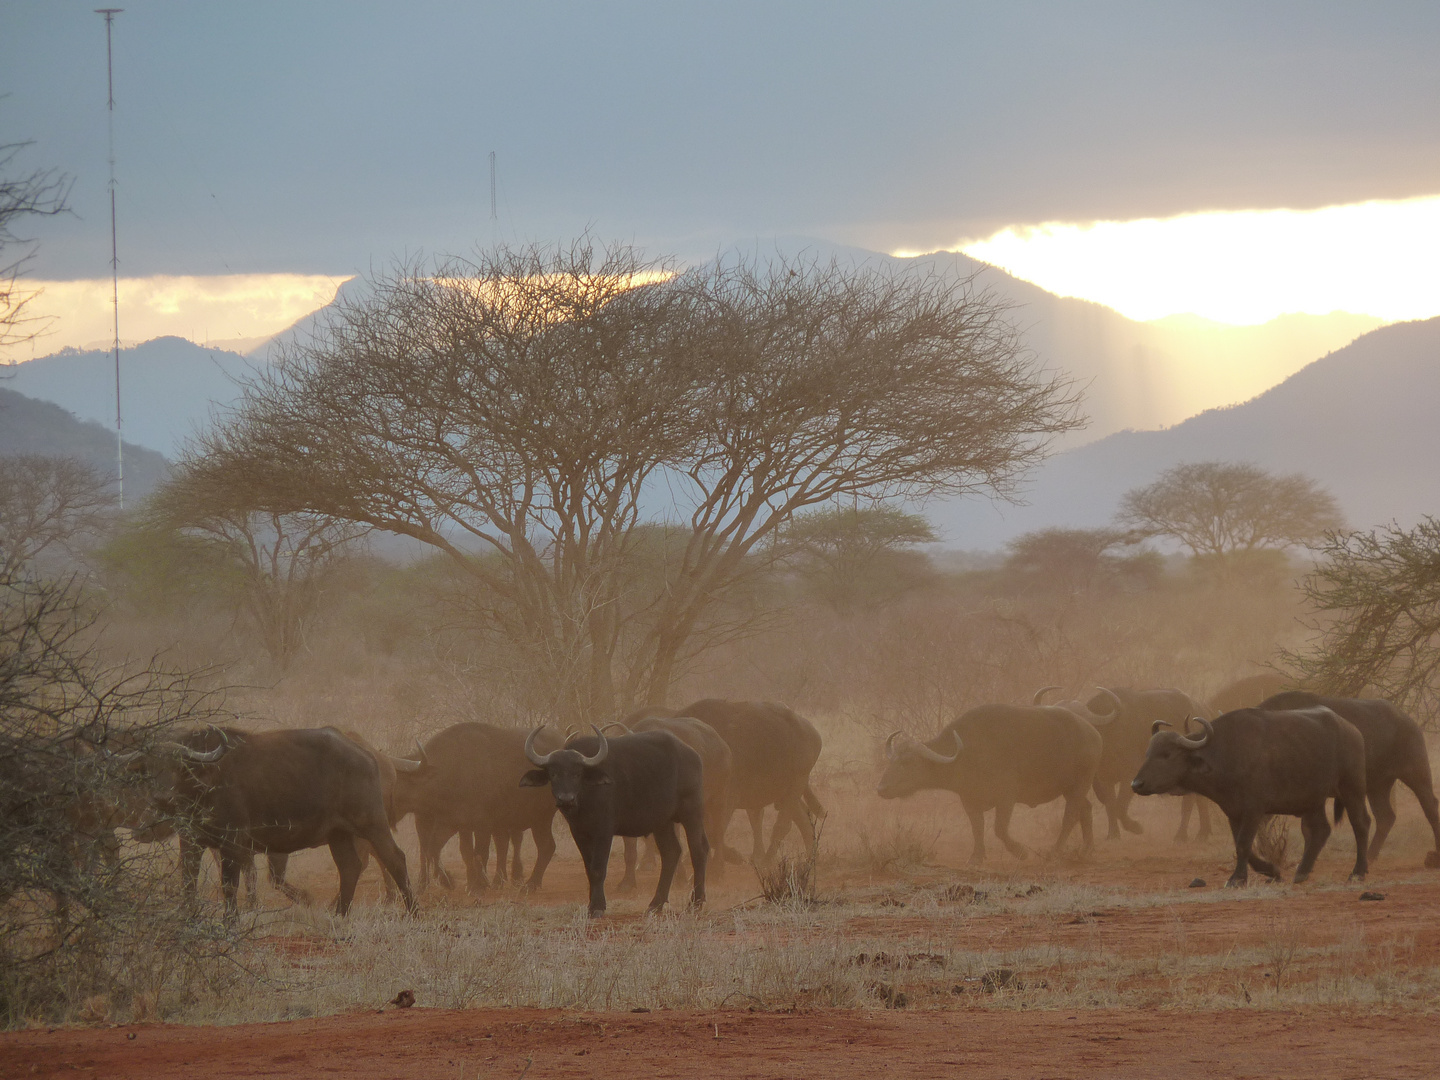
[(715, 759), (1394, 750), (276, 792), (635, 785), (1127, 737), (772, 752), (468, 783), (998, 756), (1254, 763), (279, 864)]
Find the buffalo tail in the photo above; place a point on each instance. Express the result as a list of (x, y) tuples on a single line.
[(1339, 811)]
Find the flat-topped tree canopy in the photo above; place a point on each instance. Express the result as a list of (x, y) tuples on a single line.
[(547, 405)]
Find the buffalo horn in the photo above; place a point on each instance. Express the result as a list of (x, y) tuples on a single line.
[(936, 756), (195, 757), (1158, 724), (1119, 708), (1195, 742), (406, 765), (1039, 698), (539, 760), (617, 723), (420, 755), (121, 759), (890, 753), (591, 762)]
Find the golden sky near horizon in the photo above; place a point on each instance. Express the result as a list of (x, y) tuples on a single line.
[(1238, 267), (233, 308)]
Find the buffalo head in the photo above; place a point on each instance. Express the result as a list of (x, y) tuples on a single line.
[(566, 770), (913, 766), (1171, 758)]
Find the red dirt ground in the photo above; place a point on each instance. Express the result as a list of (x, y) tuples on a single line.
[(1310, 1044)]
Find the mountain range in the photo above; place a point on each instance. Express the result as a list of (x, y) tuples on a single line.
[(29, 426), (1361, 420), (1141, 382)]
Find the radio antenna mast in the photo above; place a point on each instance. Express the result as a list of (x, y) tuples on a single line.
[(110, 14)]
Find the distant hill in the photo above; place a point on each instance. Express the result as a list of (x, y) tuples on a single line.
[(1361, 420), (168, 386), (28, 426)]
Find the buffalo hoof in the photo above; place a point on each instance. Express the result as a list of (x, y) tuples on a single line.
[(595, 913), (1236, 883), (627, 885), (1432, 860), (1357, 875), (1133, 827), (1300, 879)]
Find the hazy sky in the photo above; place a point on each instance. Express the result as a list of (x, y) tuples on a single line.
[(324, 138)]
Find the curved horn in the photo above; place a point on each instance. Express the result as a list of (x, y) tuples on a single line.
[(601, 754), (890, 753), (570, 732), (1119, 706), (196, 757), (1158, 724), (420, 754), (406, 765), (617, 723), (934, 755), (1039, 698), (1195, 742), (540, 760), (121, 759)]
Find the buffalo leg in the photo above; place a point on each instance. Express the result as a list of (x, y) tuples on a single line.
[(757, 834), (544, 852), (1078, 811), (597, 862), (651, 858), (1187, 806), (628, 882), (1360, 824), (1382, 808), (191, 854), (699, 845), (1420, 784), (231, 864), (277, 865), (1105, 793), (792, 811), (975, 814), (1316, 830), (475, 854), (727, 851), (1202, 814), (669, 845), (517, 868), (251, 879), (347, 862), (1243, 829), (1002, 830), (1123, 795), (714, 834), (392, 860)]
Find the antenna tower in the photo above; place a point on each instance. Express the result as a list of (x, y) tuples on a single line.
[(110, 14)]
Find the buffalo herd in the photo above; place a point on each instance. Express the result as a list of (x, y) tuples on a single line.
[(1259, 749)]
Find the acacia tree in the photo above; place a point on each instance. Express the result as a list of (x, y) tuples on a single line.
[(45, 504), (1218, 508), (854, 556), (534, 412), (282, 559), (1380, 595)]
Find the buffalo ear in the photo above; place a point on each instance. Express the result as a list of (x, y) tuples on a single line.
[(597, 776), (535, 778)]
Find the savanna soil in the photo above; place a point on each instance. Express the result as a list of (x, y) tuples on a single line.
[(1304, 1043), (907, 959)]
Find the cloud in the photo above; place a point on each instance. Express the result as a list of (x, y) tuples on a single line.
[(233, 309), (1241, 267)]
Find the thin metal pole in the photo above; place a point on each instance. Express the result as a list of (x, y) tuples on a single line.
[(110, 14)]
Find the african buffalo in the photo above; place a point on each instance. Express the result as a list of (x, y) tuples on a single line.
[(772, 752), (634, 785), (1126, 739), (715, 758), (995, 756), (1394, 750), (276, 792), (1254, 763), (467, 783)]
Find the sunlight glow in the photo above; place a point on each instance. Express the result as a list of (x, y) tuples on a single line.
[(1241, 267), (236, 311)]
